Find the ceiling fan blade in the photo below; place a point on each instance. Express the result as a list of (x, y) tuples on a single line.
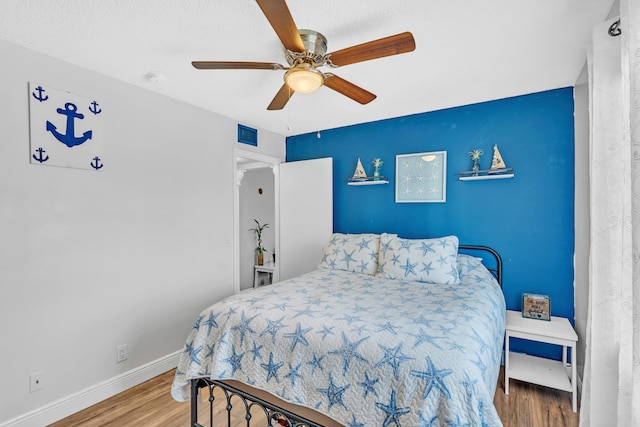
[(348, 89), (231, 65), (392, 45), (280, 18), (281, 98)]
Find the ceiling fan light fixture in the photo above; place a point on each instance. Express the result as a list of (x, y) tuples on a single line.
[(304, 78)]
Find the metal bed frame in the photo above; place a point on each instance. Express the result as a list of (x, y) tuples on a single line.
[(277, 415)]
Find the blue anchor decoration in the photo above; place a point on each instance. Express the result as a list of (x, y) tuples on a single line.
[(94, 108), (96, 163), (40, 157), (69, 139), (40, 96)]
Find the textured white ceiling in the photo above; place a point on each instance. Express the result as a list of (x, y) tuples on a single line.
[(466, 51)]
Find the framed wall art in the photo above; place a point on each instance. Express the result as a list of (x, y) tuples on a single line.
[(421, 177)]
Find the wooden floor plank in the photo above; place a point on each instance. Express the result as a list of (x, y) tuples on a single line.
[(150, 404)]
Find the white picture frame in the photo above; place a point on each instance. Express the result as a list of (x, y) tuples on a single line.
[(421, 177)]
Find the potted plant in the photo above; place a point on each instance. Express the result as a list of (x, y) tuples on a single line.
[(475, 157), (260, 249)]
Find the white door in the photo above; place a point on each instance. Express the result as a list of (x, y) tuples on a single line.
[(306, 214)]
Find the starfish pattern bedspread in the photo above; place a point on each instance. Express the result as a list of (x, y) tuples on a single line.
[(364, 351)]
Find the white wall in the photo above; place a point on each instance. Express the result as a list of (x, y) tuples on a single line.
[(129, 255), (254, 205), (582, 219)]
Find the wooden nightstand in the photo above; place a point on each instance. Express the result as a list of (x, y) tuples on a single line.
[(268, 269), (537, 370)]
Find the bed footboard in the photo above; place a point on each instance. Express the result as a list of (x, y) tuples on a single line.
[(238, 407)]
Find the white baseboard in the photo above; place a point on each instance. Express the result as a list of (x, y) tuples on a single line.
[(73, 403)]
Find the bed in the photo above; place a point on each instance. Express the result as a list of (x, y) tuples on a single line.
[(387, 331)]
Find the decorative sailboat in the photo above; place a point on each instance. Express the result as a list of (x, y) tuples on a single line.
[(359, 174), (497, 164)]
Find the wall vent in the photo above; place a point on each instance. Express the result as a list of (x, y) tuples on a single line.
[(247, 135)]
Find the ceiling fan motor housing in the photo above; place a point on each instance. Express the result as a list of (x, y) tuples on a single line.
[(315, 45)]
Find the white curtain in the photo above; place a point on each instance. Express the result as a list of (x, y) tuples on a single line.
[(611, 385)]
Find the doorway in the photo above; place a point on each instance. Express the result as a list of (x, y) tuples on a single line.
[(255, 198)]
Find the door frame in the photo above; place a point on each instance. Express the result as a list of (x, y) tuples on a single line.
[(258, 160)]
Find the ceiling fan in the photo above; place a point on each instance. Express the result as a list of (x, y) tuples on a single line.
[(306, 51)]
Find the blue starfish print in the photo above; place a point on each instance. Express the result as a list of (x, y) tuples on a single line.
[(256, 351), (316, 362), (273, 326), (409, 268), (348, 351), (392, 357), (334, 393), (456, 423), (406, 244), (244, 327), (387, 327), (272, 368), (426, 247), (395, 259), (332, 263), (423, 321), (333, 241), (211, 321), (425, 422), (231, 311), (369, 385), (326, 331), (422, 337), (364, 244), (298, 336), (355, 423), (393, 412), (444, 243), (348, 257), (453, 272), (188, 347), (381, 267), (294, 373), (308, 311), (469, 384), (235, 360), (384, 247), (281, 306), (193, 356), (363, 266), (434, 379), (196, 324), (442, 260), (210, 350)]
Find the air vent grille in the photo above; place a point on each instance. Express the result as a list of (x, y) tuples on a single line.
[(247, 135)]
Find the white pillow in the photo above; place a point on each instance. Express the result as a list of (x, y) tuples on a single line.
[(352, 252), (420, 260)]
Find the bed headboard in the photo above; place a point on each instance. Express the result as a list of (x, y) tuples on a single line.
[(490, 258)]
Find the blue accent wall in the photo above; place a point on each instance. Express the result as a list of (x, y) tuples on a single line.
[(529, 219)]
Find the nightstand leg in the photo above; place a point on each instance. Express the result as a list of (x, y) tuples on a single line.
[(574, 386), (506, 365)]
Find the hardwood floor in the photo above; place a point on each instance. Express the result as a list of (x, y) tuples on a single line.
[(150, 404)]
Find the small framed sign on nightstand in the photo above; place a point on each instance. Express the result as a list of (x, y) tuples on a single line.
[(536, 306)]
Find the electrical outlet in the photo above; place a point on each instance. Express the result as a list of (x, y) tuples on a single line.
[(121, 353), (36, 381)]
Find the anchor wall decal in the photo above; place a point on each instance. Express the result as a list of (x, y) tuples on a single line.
[(94, 108), (40, 97), (69, 139), (40, 157), (96, 163)]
